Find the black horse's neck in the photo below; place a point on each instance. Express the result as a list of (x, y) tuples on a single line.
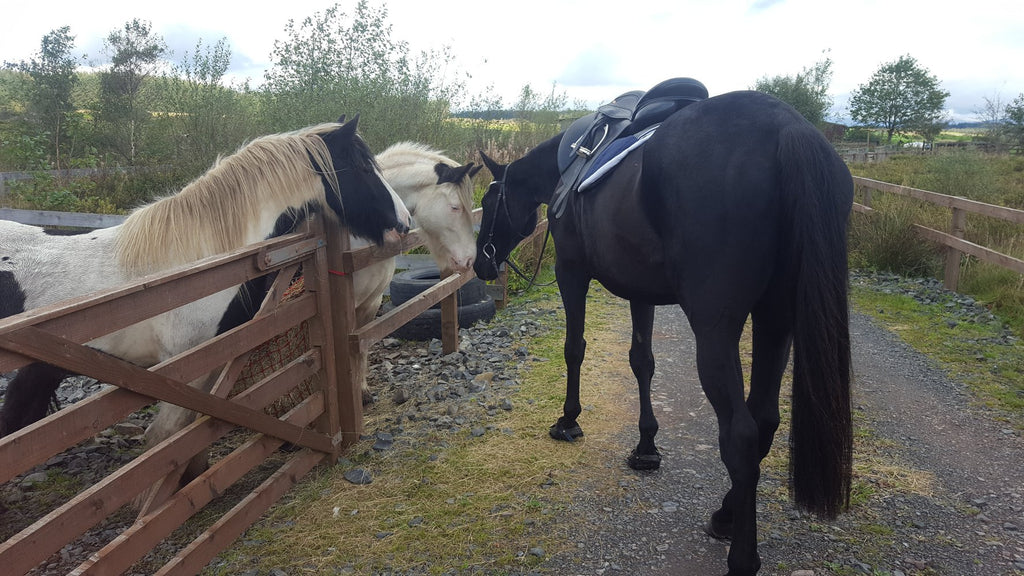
[(538, 170)]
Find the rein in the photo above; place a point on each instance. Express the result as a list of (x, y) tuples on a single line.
[(536, 271)]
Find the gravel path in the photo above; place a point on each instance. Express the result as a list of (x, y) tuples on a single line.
[(970, 520)]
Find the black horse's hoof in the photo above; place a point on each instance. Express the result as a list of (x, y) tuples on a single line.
[(720, 532), (644, 461), (558, 432)]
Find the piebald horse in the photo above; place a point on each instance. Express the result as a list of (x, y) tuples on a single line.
[(243, 198)]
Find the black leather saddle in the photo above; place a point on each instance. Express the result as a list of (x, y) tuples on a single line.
[(628, 114)]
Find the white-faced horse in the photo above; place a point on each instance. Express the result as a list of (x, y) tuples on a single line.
[(240, 200), (439, 194)]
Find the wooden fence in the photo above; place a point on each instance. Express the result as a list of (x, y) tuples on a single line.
[(322, 425), (953, 240)]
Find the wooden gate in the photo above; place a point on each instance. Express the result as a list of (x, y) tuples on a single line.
[(321, 425)]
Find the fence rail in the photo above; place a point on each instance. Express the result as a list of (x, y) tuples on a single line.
[(953, 240)]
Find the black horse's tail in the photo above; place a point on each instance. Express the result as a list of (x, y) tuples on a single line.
[(818, 185)]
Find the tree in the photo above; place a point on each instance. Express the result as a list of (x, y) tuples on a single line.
[(53, 76), (1015, 122), (807, 91), (334, 63), (135, 55), (993, 118), (204, 118), (900, 97)]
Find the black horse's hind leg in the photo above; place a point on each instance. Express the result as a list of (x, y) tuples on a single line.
[(721, 377), (574, 286), (771, 345), (641, 359), (30, 395)]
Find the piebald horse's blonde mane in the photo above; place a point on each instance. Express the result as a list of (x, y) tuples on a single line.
[(240, 196), (410, 166)]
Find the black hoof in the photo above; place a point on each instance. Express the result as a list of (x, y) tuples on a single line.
[(565, 434), (644, 461), (718, 532)]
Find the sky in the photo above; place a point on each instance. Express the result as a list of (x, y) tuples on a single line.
[(593, 50)]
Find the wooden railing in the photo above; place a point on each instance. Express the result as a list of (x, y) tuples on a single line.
[(953, 240), (322, 425)]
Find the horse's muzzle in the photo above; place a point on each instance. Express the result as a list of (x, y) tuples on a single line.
[(485, 269), (394, 235)]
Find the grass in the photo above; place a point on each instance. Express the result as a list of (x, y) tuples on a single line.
[(448, 499)]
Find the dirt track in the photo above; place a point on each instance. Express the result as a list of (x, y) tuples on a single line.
[(943, 496)]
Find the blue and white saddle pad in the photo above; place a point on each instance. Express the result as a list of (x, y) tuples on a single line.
[(610, 157)]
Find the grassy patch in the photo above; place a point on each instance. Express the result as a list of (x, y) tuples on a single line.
[(448, 500)]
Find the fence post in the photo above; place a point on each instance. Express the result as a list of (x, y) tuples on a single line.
[(502, 283), (952, 271), (450, 320), (321, 329), (343, 318)]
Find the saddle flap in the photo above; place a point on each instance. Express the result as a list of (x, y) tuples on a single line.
[(575, 131)]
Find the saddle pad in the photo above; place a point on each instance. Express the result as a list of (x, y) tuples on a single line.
[(610, 157)]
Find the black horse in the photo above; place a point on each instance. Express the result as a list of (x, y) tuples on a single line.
[(736, 206)]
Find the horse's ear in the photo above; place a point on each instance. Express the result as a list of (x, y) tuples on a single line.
[(446, 174), (474, 169), (497, 170), (341, 119), (348, 129)]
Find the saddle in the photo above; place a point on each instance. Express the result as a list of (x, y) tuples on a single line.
[(586, 152)]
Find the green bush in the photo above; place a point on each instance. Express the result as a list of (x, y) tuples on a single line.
[(886, 241)]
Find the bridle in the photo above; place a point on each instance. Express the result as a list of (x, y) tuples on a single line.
[(489, 251)]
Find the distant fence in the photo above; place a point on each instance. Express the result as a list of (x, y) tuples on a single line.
[(851, 152), (68, 219), (953, 240)]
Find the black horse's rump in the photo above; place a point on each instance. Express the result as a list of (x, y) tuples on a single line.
[(735, 208)]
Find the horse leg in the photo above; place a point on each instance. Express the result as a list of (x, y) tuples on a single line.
[(365, 312), (721, 377), (170, 419), (641, 359), (573, 284), (772, 340), (30, 395)]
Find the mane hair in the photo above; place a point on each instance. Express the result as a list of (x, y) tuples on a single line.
[(410, 166), (225, 207)]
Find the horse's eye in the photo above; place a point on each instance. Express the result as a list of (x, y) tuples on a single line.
[(455, 208)]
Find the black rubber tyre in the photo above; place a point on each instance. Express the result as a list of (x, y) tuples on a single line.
[(428, 324), (409, 283)]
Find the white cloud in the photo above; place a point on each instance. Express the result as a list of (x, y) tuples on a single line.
[(595, 49)]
